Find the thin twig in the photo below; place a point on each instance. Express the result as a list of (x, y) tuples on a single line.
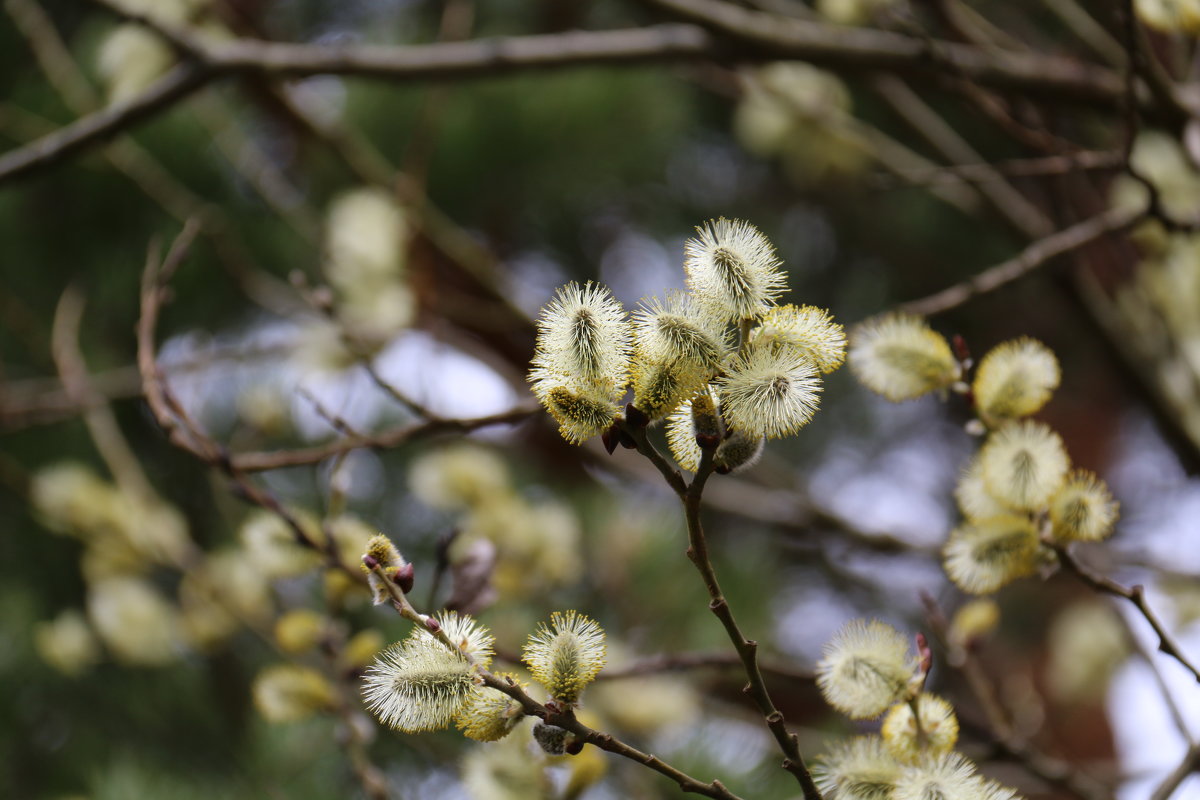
[(683, 662), (1029, 259), (1023, 217), (562, 718), (1189, 765), (691, 494), (1055, 772), (1136, 595)]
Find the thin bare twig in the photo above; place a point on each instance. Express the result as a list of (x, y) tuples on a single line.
[(560, 717), (683, 662), (1189, 765), (1055, 772), (1136, 595), (691, 494), (1029, 259)]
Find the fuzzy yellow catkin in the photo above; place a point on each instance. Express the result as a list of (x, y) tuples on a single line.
[(488, 714), (1015, 379), (680, 330), (860, 768), (697, 416), (290, 692), (67, 643), (271, 545), (1024, 464), (584, 337), (732, 270), (582, 411), (420, 684), (950, 776), (983, 556), (136, 623), (1083, 509), (900, 357), (458, 476), (809, 330), (507, 770), (771, 392), (973, 621), (660, 387), (565, 655), (865, 668), (299, 631), (381, 550), (971, 493), (936, 734)]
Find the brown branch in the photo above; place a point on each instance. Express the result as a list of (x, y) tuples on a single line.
[(1136, 595), (747, 649), (683, 662), (1189, 765), (562, 718), (100, 125), (1022, 216), (606, 741), (274, 459), (760, 37), (1029, 259), (864, 49), (1045, 166), (963, 658)]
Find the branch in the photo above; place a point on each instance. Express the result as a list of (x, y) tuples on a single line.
[(964, 658), (1189, 765), (682, 662), (761, 37), (560, 718), (747, 649), (1136, 595), (1029, 259), (100, 125), (274, 459), (865, 49)]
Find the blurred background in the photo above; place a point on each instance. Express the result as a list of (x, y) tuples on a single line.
[(358, 235)]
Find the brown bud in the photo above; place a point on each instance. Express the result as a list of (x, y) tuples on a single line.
[(575, 748), (611, 438), (370, 562), (432, 624), (404, 578), (636, 417), (961, 351)]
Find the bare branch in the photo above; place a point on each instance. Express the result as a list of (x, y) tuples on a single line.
[(1029, 259), (758, 37), (96, 127), (1135, 595)]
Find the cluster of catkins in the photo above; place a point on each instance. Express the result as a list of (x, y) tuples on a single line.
[(1019, 494), (432, 679), (722, 362), (868, 669)]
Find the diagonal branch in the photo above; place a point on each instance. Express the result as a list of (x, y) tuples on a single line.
[(1029, 259), (1136, 595), (101, 125)]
